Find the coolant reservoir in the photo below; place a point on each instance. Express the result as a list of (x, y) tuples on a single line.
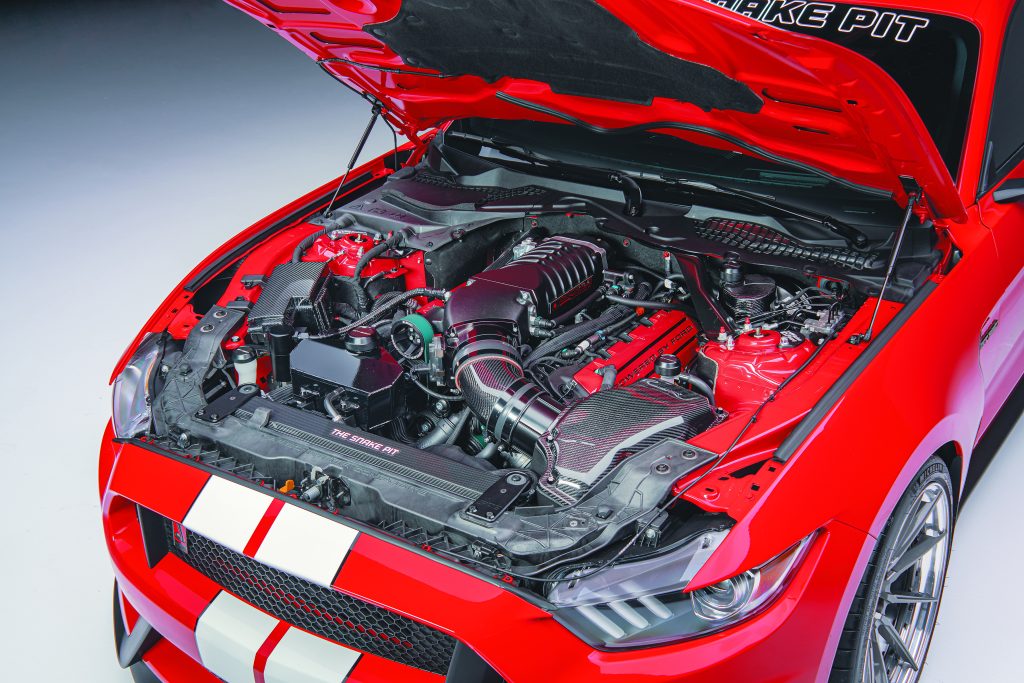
[(748, 368)]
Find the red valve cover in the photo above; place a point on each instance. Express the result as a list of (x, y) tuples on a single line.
[(670, 332), (754, 366)]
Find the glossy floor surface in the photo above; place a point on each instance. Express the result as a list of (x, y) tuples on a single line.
[(134, 138)]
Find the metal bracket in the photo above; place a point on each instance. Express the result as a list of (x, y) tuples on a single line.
[(499, 497), (227, 404)]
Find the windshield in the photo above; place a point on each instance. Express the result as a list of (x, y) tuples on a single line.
[(653, 156), (933, 57)]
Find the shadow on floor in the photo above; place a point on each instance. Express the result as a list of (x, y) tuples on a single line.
[(992, 442)]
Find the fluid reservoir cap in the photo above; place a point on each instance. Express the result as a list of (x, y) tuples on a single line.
[(362, 341), (667, 365)]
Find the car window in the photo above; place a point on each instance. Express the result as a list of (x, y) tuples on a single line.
[(1005, 148)]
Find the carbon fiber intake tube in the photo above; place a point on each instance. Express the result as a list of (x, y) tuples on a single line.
[(514, 410), (488, 320)]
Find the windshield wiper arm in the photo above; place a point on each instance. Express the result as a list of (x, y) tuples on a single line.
[(631, 192), (849, 233), (634, 196)]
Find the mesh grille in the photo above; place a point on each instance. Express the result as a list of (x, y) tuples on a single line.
[(763, 240), (319, 610)]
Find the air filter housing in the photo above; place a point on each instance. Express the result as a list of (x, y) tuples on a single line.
[(593, 436), (294, 294)]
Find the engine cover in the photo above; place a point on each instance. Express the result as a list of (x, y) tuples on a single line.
[(547, 281), (669, 332), (596, 434)]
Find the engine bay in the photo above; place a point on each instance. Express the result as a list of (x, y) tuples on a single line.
[(505, 373)]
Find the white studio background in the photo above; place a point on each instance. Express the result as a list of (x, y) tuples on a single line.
[(136, 137)]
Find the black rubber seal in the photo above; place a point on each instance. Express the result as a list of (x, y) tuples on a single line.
[(827, 402)]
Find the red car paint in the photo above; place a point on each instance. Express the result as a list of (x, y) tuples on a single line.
[(930, 388), (855, 123), (753, 365)]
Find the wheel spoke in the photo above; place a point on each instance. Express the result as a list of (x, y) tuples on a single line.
[(907, 598), (913, 555), (917, 525), (895, 643), (878, 673)]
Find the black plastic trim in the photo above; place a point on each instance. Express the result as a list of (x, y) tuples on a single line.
[(468, 667), (143, 674), (130, 647), (362, 527), (828, 401), (154, 540)]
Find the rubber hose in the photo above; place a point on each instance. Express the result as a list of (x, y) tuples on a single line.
[(445, 427), (488, 451), (329, 404), (577, 333), (700, 385), (640, 303), (463, 418), (608, 374), (362, 298), (435, 394), (345, 221), (387, 307)]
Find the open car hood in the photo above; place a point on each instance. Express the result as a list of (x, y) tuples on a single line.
[(709, 75)]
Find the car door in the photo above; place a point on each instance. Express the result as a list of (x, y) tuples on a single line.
[(1001, 205)]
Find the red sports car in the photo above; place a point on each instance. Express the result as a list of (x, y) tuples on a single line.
[(658, 351)]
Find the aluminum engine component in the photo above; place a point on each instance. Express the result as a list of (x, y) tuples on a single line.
[(668, 332)]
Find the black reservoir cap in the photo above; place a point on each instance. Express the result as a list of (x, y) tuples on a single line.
[(667, 365)]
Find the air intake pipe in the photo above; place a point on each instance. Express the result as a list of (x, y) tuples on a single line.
[(488, 321), (489, 373)]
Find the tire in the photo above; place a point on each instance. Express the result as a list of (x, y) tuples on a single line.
[(893, 614)]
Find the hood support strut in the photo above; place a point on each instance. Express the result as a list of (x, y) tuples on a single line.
[(913, 194)]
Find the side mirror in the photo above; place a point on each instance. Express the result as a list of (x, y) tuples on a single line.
[(1010, 191)]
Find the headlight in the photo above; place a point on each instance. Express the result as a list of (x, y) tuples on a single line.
[(643, 603), (132, 411)]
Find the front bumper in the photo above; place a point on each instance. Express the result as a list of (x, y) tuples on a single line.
[(793, 640)]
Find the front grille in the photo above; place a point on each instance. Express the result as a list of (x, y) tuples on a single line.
[(319, 610)]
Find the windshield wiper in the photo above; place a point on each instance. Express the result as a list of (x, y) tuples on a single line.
[(634, 195), (852, 235)]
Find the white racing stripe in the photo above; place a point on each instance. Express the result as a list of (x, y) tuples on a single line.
[(306, 545), (229, 634), (227, 513), (301, 657)]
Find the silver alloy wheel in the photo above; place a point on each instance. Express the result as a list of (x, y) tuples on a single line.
[(908, 601)]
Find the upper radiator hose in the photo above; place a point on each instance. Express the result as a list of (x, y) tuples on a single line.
[(487, 321)]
